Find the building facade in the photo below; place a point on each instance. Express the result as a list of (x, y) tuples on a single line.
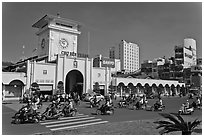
[(112, 53), (59, 60), (129, 56), (185, 54)]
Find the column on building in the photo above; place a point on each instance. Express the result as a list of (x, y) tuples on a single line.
[(59, 70), (178, 90), (85, 87), (106, 81), (175, 91), (167, 89), (91, 75), (33, 70), (28, 75), (154, 88)]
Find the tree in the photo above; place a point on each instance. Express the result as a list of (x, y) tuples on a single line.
[(176, 123)]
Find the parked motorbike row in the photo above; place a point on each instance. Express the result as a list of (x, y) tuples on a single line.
[(57, 109)]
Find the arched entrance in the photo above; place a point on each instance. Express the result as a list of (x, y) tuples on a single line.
[(14, 89), (74, 82)]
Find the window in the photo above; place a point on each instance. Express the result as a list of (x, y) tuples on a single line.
[(45, 72)]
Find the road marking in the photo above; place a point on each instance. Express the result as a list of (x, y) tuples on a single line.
[(101, 122), (62, 121), (64, 118), (71, 123)]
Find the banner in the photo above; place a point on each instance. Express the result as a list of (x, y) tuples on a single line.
[(106, 62)]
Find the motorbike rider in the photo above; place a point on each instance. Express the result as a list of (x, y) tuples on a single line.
[(29, 110), (107, 104), (70, 105), (158, 104), (198, 102), (36, 102), (187, 105), (182, 108), (54, 107), (94, 100)]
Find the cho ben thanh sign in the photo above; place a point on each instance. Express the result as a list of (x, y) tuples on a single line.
[(106, 62)]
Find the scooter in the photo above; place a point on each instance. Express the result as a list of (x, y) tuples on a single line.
[(188, 111), (94, 104), (69, 113), (123, 104), (52, 112), (154, 108), (105, 111), (24, 116)]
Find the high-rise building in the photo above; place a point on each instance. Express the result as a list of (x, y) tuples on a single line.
[(129, 56), (112, 53), (190, 43), (185, 54)]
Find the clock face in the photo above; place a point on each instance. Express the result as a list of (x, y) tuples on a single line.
[(43, 43), (63, 43)]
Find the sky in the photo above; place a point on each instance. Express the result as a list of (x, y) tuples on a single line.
[(155, 27)]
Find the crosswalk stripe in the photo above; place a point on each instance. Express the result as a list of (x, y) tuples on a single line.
[(71, 123), (62, 121), (74, 117), (42, 122), (81, 125)]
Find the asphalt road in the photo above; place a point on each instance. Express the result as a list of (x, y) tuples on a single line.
[(121, 114)]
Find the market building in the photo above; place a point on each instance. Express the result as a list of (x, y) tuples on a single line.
[(58, 60)]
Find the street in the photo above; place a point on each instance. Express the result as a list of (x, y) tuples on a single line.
[(86, 117)]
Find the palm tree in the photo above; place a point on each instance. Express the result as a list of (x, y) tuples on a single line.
[(176, 123)]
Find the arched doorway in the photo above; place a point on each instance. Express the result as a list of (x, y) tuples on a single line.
[(14, 89), (74, 82)]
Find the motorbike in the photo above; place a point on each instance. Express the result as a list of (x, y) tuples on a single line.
[(67, 112), (188, 111), (196, 105), (123, 104), (104, 110), (53, 111), (94, 103), (155, 108), (24, 115)]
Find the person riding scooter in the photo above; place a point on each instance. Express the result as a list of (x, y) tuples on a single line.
[(158, 104), (107, 105), (187, 105)]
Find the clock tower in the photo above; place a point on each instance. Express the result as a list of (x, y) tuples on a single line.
[(56, 35)]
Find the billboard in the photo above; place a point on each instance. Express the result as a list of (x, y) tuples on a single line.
[(107, 62)]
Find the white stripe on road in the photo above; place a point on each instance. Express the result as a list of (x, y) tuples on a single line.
[(54, 129), (74, 117), (71, 123), (47, 121), (62, 121)]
